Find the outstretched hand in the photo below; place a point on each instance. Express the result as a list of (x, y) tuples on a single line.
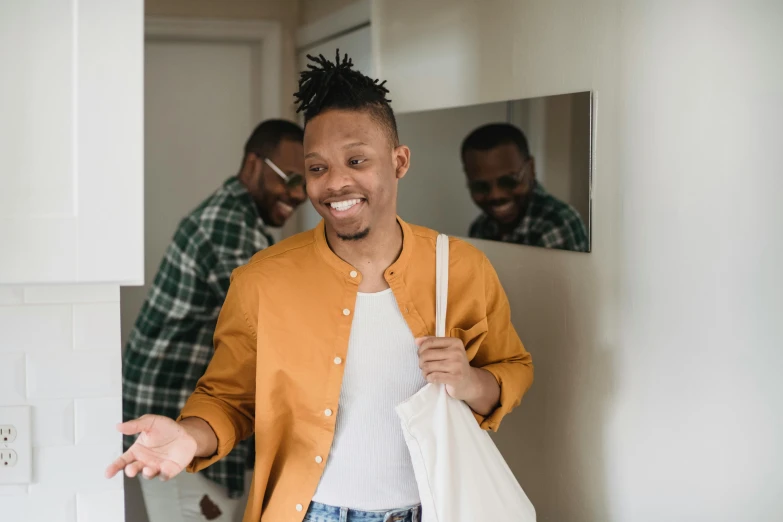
[(164, 448)]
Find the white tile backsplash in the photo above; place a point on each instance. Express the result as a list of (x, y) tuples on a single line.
[(72, 294), (11, 295), (76, 468), (101, 507), (51, 504), (53, 423), (36, 328), (76, 374), (12, 490), (60, 353), (96, 327), (12, 379), (16, 508), (96, 421)]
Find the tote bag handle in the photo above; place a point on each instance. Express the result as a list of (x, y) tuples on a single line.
[(441, 283)]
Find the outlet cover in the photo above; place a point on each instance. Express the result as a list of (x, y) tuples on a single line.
[(17, 463)]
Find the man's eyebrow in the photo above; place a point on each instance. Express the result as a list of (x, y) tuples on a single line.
[(345, 147)]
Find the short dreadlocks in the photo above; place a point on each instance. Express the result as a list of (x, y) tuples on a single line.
[(337, 85)]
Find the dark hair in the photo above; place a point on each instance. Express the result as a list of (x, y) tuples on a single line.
[(492, 135), (268, 135), (326, 85)]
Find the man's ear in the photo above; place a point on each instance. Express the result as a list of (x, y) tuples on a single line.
[(402, 161), (251, 170)]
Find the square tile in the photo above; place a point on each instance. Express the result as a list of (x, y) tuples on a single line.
[(53, 422), (97, 327), (96, 421)]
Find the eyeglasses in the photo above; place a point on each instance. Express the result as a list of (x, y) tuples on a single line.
[(506, 182), (291, 181)]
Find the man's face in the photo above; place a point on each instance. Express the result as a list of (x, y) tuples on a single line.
[(352, 168), (500, 181), (274, 200)]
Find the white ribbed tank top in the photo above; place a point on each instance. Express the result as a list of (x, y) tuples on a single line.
[(369, 467)]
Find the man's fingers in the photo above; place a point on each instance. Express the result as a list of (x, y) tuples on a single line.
[(119, 464), (150, 472), (132, 427), (420, 340), (445, 366), (440, 378), (133, 469), (434, 343), (169, 469)]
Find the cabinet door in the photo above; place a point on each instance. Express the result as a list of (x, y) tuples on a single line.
[(71, 141)]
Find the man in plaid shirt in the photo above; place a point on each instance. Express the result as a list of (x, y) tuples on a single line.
[(170, 345), (516, 208)]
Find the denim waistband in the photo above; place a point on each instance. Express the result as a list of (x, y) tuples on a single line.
[(322, 513)]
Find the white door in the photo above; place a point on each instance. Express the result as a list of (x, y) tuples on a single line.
[(197, 118), (358, 45)]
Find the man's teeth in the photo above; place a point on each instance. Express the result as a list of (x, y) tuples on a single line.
[(342, 206), (505, 207)]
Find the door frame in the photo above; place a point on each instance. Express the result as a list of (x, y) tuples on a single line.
[(265, 36)]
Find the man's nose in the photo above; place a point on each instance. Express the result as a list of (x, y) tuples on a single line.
[(495, 192), (338, 178)]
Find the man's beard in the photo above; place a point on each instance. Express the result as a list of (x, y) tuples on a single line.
[(355, 236)]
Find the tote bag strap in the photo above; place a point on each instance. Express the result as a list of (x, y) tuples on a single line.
[(441, 283)]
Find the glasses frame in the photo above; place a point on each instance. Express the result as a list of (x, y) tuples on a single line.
[(519, 177), (289, 180)]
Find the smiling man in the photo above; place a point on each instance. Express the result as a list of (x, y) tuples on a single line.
[(515, 207), (171, 343), (322, 335)]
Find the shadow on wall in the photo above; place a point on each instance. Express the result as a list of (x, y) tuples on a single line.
[(556, 449)]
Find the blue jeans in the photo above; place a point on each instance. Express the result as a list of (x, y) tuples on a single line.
[(323, 513)]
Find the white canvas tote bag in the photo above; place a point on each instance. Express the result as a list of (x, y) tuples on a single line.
[(461, 475)]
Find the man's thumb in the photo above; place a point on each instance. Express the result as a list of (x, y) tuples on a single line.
[(132, 427)]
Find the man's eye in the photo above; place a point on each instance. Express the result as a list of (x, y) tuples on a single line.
[(357, 161), (317, 169)]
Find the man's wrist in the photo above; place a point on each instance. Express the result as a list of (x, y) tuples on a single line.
[(475, 388), (201, 434), (484, 394)]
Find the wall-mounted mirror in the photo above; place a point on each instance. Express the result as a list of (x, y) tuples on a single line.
[(516, 171)]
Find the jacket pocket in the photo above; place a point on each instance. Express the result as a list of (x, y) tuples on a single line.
[(471, 337)]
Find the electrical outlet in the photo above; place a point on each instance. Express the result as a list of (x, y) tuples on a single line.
[(7, 433), (8, 458), (16, 452)]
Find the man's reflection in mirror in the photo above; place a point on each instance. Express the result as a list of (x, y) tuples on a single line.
[(515, 207)]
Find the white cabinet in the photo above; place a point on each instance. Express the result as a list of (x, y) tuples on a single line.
[(71, 141)]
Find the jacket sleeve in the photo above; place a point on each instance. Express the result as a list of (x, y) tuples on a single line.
[(225, 396), (502, 353)]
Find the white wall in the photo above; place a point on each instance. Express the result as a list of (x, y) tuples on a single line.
[(59, 353), (658, 356)]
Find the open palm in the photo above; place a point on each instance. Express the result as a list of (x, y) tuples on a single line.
[(163, 448)]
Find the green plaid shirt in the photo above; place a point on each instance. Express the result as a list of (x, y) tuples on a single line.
[(170, 345), (548, 222)]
